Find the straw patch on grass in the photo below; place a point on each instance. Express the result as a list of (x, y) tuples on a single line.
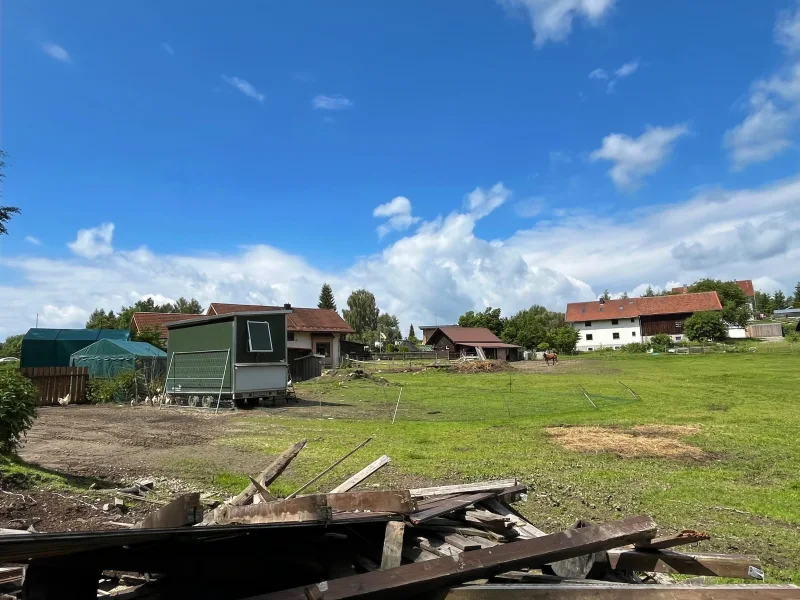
[(652, 441)]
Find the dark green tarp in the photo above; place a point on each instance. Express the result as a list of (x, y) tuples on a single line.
[(54, 347), (107, 358)]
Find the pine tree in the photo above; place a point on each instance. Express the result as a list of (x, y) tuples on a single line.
[(326, 298), (412, 335), (606, 295), (649, 292)]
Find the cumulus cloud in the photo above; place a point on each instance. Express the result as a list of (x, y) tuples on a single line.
[(773, 105), (57, 52), (335, 102), (552, 20), (398, 214), (480, 202), (93, 242), (245, 87), (636, 158)]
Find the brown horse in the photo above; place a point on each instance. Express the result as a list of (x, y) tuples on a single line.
[(548, 356)]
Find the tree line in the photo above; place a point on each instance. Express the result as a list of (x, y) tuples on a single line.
[(534, 328)]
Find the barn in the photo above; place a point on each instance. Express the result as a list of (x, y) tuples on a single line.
[(472, 341)]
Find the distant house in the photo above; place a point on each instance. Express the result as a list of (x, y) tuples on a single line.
[(310, 330), (427, 331), (466, 340), (746, 285), (141, 321), (614, 323)]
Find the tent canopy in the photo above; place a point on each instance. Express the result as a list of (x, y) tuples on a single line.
[(106, 358), (54, 347)]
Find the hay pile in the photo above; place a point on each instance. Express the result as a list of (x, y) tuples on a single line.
[(481, 366), (654, 441)]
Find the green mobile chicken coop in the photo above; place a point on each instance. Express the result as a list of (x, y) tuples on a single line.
[(236, 358)]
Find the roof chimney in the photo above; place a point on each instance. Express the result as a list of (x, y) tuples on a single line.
[(602, 300), (287, 306)]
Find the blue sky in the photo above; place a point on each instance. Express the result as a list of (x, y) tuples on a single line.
[(446, 155)]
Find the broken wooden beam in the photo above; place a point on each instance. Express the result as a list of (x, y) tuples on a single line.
[(270, 474), (393, 545), (466, 488), (405, 580), (687, 536), (183, 510), (367, 471), (461, 542), (451, 504), (664, 561), (524, 528), (330, 468), (262, 491), (617, 591), (392, 501)]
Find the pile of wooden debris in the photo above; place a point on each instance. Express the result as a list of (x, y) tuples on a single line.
[(463, 542)]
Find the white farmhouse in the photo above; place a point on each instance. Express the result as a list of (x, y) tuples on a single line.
[(614, 323)]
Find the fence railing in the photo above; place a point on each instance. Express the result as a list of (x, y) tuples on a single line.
[(54, 383)]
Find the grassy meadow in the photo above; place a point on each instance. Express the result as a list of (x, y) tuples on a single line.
[(711, 442)]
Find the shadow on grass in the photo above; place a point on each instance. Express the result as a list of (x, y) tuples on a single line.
[(15, 473)]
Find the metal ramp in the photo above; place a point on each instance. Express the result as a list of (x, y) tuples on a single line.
[(481, 354)]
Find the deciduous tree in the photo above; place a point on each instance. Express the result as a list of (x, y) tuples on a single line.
[(151, 335), (490, 319), (530, 327), (735, 306), (706, 325), (5, 211), (361, 312), (11, 347), (563, 339), (606, 295)]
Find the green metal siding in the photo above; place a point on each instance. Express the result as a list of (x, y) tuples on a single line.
[(206, 336), (277, 325)]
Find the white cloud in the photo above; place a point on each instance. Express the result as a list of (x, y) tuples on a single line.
[(598, 73), (552, 19), (773, 104), (480, 202), (33, 240), (167, 48), (56, 51), (335, 102), (636, 158), (245, 87), (629, 68), (93, 242), (398, 213), (530, 207), (626, 70)]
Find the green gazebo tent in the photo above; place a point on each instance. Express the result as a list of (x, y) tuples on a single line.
[(54, 347), (107, 358)]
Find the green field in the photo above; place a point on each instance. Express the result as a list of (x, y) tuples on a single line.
[(724, 458)]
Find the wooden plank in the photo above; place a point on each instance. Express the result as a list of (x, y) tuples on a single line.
[(262, 491), (406, 580), (481, 486), (461, 542), (523, 526), (330, 468), (367, 471), (616, 591), (686, 536), (416, 554), (664, 561), (447, 506), (437, 546), (181, 511), (10, 575), (270, 474), (392, 501), (467, 531), (392, 545), (296, 510)]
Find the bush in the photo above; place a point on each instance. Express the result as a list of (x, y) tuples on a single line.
[(390, 347), (661, 341), (635, 348), (120, 388), (707, 325), (17, 408), (402, 349), (793, 337)]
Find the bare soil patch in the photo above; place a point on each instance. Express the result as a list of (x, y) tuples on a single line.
[(562, 367), (481, 366), (653, 441)]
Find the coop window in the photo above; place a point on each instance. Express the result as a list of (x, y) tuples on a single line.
[(589, 337), (615, 336), (260, 336), (290, 336)]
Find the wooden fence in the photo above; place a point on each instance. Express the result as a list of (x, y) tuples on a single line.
[(56, 382)]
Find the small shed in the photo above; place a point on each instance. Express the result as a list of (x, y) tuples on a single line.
[(237, 356), (55, 347), (107, 358)]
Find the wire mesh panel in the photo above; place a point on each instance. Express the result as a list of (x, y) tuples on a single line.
[(198, 372)]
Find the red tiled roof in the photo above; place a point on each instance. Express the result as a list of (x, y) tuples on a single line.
[(300, 319), (470, 336), (746, 285), (636, 307), (154, 320)]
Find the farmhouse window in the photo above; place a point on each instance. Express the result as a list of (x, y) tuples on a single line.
[(589, 337), (677, 338), (324, 348), (633, 333), (633, 320), (678, 324), (588, 324), (259, 336), (615, 321), (290, 336), (615, 336)]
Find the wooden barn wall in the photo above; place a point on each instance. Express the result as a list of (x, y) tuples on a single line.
[(670, 324)]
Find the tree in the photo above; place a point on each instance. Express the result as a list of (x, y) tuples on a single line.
[(11, 347), (779, 299), (187, 307), (151, 335), (706, 325), (100, 319), (661, 341), (530, 327), (389, 326), (18, 407), (326, 299), (735, 305), (796, 299), (624, 296), (649, 292), (412, 335), (490, 319), (606, 295), (5, 211), (361, 312), (563, 339), (763, 302)]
